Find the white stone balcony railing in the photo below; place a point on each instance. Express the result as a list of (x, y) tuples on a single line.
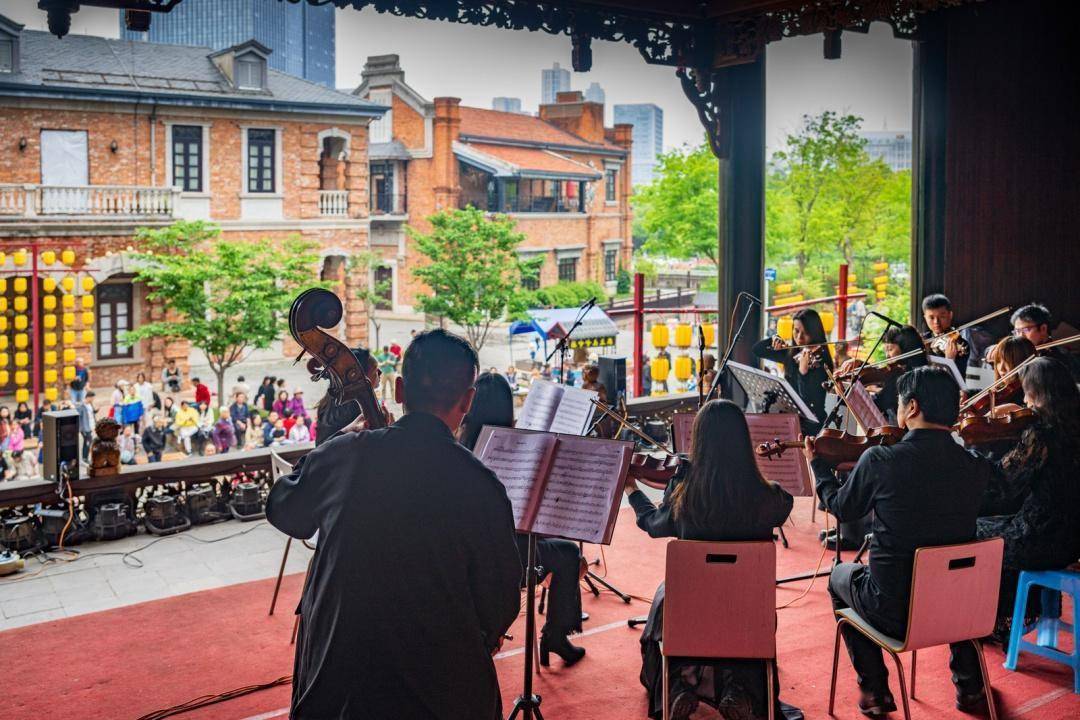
[(334, 203), (119, 202)]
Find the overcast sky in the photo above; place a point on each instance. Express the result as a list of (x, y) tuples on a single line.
[(872, 80)]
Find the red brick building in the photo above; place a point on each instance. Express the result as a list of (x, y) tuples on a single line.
[(562, 176), (101, 137)]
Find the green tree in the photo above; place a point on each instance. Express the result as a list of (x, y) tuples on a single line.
[(225, 297), (374, 295), (678, 210), (473, 269)]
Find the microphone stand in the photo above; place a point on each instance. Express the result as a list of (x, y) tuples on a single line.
[(715, 389), (528, 703), (701, 367)]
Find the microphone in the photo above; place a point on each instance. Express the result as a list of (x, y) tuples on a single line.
[(590, 303), (886, 318)]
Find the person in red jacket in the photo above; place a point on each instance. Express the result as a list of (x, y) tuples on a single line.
[(202, 393)]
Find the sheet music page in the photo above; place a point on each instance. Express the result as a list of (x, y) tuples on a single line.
[(581, 495), (540, 406), (863, 408), (789, 470), (517, 459), (682, 428), (574, 412), (951, 366)]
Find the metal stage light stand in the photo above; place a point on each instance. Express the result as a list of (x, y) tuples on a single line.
[(527, 704)]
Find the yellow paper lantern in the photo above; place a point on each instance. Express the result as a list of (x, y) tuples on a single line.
[(69, 355), (683, 368), (827, 320), (51, 375), (3, 323), (784, 326), (69, 319), (659, 336), (21, 322), (49, 284), (3, 359), (3, 304), (22, 395), (3, 258), (50, 358), (19, 256), (49, 338), (88, 302), (20, 285), (4, 378), (21, 341), (3, 281), (88, 336), (710, 334), (684, 335), (49, 320), (87, 283), (50, 394), (67, 257), (783, 288), (21, 377), (48, 257), (20, 304), (69, 337), (69, 373), (22, 359), (659, 368), (68, 283), (3, 343), (87, 318), (68, 301), (48, 302)]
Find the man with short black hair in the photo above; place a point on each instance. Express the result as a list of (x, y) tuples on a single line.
[(1033, 321), (416, 576), (925, 490), (938, 316)]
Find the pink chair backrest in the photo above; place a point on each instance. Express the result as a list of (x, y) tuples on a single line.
[(954, 593), (720, 599)]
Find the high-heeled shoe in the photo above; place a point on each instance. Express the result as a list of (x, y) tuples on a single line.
[(561, 646)]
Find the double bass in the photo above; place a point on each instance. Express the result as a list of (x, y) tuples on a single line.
[(350, 389)]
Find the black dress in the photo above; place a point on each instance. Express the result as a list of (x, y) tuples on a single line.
[(1032, 502), (711, 680), (414, 581), (811, 386)]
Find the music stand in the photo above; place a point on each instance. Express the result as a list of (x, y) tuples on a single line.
[(766, 392)]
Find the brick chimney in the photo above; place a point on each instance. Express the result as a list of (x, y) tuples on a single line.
[(446, 128), (574, 114)]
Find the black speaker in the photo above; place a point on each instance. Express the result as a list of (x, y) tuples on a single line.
[(613, 377), (60, 436)]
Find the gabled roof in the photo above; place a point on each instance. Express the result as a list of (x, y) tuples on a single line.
[(478, 124), (524, 162), (84, 67), (239, 48)]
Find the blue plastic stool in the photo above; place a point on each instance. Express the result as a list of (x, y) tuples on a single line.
[(1052, 584)]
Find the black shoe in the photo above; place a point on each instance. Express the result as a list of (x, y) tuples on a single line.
[(829, 541), (562, 647), (684, 705), (876, 704), (735, 705), (971, 703)]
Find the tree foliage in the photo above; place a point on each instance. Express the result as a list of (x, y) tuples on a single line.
[(678, 210), (473, 269), (225, 297)]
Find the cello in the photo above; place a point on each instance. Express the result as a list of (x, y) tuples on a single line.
[(331, 359)]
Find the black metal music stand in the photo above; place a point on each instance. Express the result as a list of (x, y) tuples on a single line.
[(766, 392), (528, 703)]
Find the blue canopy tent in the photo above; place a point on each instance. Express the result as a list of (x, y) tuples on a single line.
[(597, 329)]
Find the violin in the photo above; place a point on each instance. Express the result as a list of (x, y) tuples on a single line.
[(655, 471), (836, 447), (1011, 392), (938, 343), (331, 359), (877, 373), (978, 430)]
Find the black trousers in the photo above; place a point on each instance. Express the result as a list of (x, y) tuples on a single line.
[(866, 656), (560, 559)]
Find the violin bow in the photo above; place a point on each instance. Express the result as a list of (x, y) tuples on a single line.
[(998, 384), (606, 409), (973, 323)]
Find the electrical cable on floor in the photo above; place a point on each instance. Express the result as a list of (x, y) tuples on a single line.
[(817, 568), (206, 700)]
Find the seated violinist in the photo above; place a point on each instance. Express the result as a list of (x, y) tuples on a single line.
[(719, 495), (925, 490), (1006, 355), (804, 369), (1033, 321), (938, 315), (1033, 495)]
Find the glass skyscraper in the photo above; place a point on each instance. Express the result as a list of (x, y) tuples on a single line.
[(553, 81), (892, 146), (300, 35), (648, 138)]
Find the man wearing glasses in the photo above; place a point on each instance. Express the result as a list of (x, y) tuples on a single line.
[(1033, 322)]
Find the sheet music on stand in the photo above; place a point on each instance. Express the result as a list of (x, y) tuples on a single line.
[(949, 365), (764, 389), (557, 408), (863, 408)]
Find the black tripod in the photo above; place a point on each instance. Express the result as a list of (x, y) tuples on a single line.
[(528, 703)]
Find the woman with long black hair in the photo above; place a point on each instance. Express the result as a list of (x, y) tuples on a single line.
[(717, 495), (804, 369), (493, 404)]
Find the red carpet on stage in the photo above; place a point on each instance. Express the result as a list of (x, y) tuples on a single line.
[(123, 663)]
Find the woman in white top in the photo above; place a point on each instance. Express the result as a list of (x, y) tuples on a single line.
[(144, 390), (206, 426), (300, 432)]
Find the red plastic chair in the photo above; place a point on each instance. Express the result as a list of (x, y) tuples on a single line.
[(720, 602), (954, 596)]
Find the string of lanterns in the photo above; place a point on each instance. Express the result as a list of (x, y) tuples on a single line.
[(64, 316), (682, 364)]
